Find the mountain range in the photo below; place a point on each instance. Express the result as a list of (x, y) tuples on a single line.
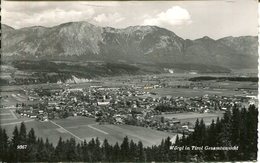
[(83, 41)]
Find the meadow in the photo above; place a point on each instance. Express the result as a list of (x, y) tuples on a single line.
[(83, 128), (191, 117), (187, 92)]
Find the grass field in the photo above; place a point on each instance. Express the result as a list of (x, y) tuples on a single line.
[(193, 92), (192, 117), (7, 115), (86, 128), (11, 98)]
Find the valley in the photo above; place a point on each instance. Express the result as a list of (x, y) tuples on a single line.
[(112, 107), (85, 81)]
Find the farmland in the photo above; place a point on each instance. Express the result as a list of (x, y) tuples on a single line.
[(86, 128), (221, 88), (193, 92), (11, 98), (191, 117), (141, 93)]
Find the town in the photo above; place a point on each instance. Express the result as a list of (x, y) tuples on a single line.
[(127, 104)]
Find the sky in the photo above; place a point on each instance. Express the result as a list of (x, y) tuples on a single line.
[(188, 19)]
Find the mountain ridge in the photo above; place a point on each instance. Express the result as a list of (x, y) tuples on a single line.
[(6, 25), (134, 44)]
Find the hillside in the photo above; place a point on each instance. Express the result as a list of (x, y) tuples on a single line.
[(134, 44)]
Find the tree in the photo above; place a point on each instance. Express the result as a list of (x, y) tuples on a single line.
[(177, 140), (141, 154), (97, 150), (106, 150), (161, 151), (13, 152), (241, 125), (124, 149), (59, 151), (32, 148), (91, 146), (31, 137), (203, 133), (162, 119), (211, 140), (84, 148), (196, 133), (79, 152), (116, 153), (23, 142), (48, 149), (41, 153), (132, 151), (23, 134), (252, 126), (71, 152), (235, 131), (167, 145), (3, 145)]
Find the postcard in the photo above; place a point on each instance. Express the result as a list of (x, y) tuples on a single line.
[(129, 81)]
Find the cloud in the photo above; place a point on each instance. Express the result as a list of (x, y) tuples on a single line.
[(24, 14), (46, 17), (109, 18), (173, 17)]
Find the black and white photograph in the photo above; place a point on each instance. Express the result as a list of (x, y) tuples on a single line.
[(129, 81)]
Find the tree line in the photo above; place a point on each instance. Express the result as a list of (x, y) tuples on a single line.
[(238, 127), (241, 79)]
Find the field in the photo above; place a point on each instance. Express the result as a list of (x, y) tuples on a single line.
[(86, 128), (194, 92), (192, 117), (11, 98), (7, 114), (82, 128)]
